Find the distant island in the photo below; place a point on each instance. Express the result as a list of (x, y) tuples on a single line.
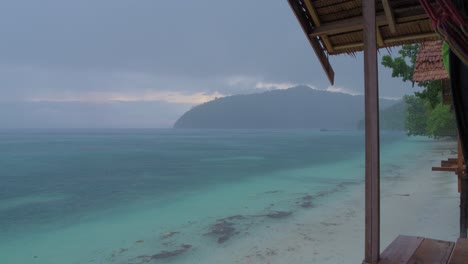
[(297, 107)]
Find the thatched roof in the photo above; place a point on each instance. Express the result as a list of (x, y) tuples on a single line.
[(429, 65), (336, 26)]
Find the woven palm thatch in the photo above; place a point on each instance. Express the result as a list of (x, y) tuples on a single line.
[(429, 65), (340, 23), (336, 26)]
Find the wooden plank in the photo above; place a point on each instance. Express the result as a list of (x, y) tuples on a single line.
[(327, 43), (451, 169), (349, 46), (460, 252), (415, 17), (400, 250), (371, 98), (323, 58), (390, 16), (447, 163), (344, 25), (432, 251)]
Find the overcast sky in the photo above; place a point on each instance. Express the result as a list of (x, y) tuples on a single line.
[(123, 63)]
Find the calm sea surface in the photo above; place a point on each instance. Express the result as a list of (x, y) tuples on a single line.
[(88, 196)]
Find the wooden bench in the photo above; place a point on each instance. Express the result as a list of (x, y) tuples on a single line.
[(419, 250), (460, 252), (456, 165), (451, 164)]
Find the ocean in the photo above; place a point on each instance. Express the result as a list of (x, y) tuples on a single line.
[(171, 196)]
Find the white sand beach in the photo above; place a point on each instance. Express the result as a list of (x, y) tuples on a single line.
[(415, 202)]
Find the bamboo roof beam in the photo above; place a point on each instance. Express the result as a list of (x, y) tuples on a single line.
[(315, 18), (390, 15)]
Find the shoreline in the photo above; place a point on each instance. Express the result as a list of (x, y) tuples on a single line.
[(414, 201)]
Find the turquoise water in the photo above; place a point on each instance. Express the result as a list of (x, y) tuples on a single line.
[(122, 196)]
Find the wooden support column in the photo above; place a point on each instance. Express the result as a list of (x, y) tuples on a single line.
[(371, 94), (464, 206), (460, 161)]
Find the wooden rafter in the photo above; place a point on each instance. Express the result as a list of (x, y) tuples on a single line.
[(390, 15), (355, 24), (315, 18), (388, 41), (314, 42), (380, 40), (412, 37)]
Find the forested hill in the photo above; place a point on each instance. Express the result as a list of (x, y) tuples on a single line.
[(391, 118), (298, 107)]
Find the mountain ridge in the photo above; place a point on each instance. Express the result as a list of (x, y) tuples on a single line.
[(296, 107)]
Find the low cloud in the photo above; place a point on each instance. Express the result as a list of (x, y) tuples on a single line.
[(391, 98), (144, 96), (338, 89), (274, 86)]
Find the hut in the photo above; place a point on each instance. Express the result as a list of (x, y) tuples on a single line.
[(335, 27), (429, 66)]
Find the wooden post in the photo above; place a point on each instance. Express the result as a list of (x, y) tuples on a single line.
[(464, 206), (460, 161), (372, 196)]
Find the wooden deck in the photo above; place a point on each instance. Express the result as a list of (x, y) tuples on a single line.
[(418, 250)]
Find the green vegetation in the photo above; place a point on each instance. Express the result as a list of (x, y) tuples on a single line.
[(441, 121), (392, 118), (399, 65), (417, 115), (425, 114)]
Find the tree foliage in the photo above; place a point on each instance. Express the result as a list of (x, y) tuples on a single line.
[(425, 113), (432, 92), (417, 114), (441, 122), (403, 65)]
